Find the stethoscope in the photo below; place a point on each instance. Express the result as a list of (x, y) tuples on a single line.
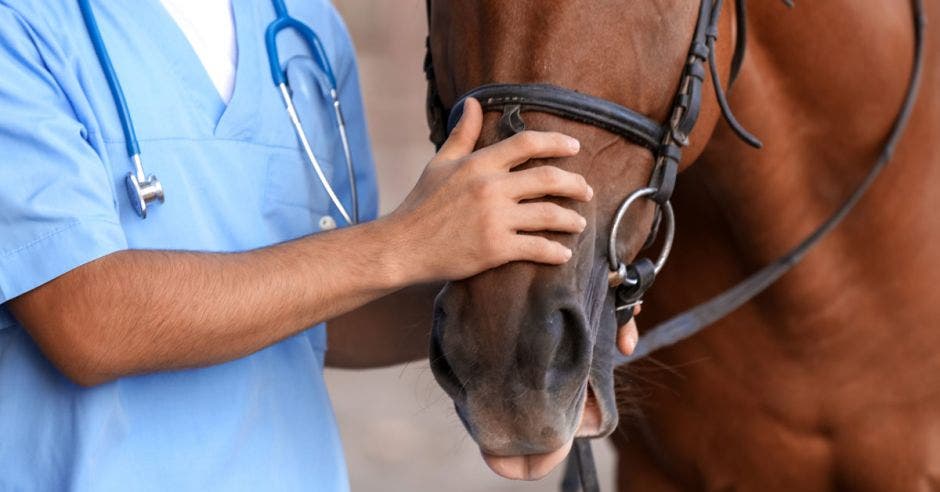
[(143, 190)]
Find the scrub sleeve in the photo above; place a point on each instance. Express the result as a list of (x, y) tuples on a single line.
[(57, 206)]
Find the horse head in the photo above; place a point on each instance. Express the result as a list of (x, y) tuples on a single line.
[(527, 351)]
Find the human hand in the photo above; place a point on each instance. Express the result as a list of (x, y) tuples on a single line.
[(628, 335), (465, 214)]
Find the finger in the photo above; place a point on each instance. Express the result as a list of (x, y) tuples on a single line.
[(547, 216), (463, 139), (627, 337), (528, 145), (549, 181), (540, 250)]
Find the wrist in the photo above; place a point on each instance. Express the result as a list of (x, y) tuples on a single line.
[(396, 260)]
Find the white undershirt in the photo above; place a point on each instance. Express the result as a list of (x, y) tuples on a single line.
[(210, 28)]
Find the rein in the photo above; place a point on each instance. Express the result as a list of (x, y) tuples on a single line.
[(694, 320), (665, 140)]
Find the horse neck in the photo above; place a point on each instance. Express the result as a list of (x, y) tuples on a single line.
[(823, 97)]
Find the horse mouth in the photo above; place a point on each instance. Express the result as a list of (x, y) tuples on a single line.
[(592, 416), (529, 466), (538, 466)]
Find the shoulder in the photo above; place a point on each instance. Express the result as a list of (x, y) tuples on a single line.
[(48, 27), (47, 16)]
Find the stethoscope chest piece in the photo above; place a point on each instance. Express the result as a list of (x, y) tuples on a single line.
[(142, 192)]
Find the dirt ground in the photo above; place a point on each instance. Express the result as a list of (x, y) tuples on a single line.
[(399, 430)]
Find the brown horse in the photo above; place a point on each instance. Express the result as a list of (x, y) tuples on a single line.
[(828, 380)]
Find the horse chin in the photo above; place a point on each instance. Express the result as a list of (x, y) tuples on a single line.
[(593, 423)]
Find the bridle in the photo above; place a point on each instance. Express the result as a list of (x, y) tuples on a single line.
[(630, 281), (665, 140)]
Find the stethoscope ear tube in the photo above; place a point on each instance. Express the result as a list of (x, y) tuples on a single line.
[(341, 125), (308, 151), (285, 21), (313, 41)]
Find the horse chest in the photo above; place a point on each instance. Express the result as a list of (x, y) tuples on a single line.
[(708, 427)]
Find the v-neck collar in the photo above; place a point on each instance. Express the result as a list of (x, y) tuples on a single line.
[(238, 116), (230, 120)]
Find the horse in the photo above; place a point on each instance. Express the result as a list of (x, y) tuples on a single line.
[(825, 377)]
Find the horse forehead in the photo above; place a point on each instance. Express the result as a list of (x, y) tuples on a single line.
[(630, 53), (535, 26)]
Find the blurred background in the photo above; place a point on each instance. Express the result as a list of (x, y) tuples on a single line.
[(399, 429)]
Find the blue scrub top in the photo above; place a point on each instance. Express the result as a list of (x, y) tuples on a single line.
[(235, 180)]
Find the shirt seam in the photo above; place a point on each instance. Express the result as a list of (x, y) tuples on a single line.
[(210, 139), (69, 226)]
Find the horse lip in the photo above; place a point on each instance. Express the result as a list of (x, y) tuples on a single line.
[(596, 420), (536, 466), (527, 467)]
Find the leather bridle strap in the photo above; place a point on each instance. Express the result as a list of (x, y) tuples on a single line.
[(580, 470), (434, 106), (568, 104), (698, 318)]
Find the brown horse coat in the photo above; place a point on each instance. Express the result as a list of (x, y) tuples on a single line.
[(830, 379)]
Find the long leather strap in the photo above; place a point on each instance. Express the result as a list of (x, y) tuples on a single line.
[(740, 45), (581, 470), (738, 129), (698, 318)]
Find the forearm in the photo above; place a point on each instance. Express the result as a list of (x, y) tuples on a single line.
[(390, 330), (144, 311)]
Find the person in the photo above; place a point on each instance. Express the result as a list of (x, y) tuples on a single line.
[(185, 351)]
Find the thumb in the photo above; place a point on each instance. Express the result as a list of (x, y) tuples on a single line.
[(627, 338), (627, 335), (464, 138)]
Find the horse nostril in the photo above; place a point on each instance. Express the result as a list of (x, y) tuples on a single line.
[(556, 351), (570, 352), (564, 328)]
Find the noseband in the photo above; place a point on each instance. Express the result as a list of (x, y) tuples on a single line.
[(666, 141)]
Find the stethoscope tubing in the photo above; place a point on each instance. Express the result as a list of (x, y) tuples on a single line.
[(114, 85), (143, 189), (283, 22)]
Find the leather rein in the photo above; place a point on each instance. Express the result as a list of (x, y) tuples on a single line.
[(665, 140)]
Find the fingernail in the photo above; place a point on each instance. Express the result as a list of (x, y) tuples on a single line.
[(590, 192), (583, 223), (463, 111), (567, 254), (574, 144)]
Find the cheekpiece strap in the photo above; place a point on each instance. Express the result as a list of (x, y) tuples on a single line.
[(643, 272)]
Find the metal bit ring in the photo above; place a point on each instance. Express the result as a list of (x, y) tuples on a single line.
[(618, 271)]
